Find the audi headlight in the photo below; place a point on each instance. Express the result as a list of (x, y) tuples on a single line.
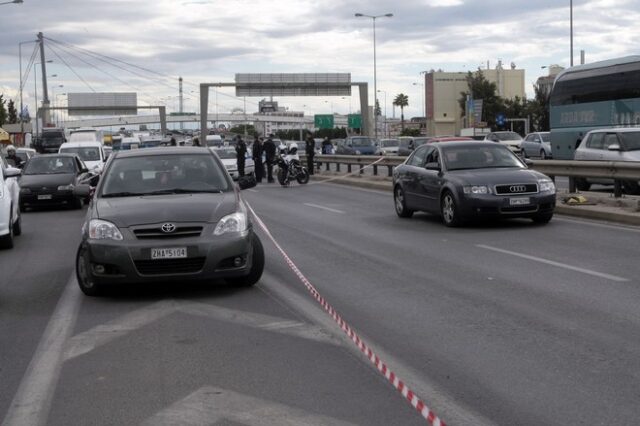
[(547, 185), (103, 230), (66, 187), (235, 222), (25, 190), (476, 189)]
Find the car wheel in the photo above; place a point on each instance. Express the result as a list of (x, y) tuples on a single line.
[(76, 204), (399, 201), (449, 210), (542, 218), (524, 153), (631, 187), (582, 184), (543, 155), (257, 266), (17, 227), (83, 273), (6, 241)]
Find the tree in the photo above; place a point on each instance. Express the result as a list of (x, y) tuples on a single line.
[(239, 129), (517, 108), (539, 110), (3, 111), (481, 88), (13, 114), (402, 101)]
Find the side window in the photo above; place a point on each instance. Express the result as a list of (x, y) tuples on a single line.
[(432, 155), (529, 138), (418, 157), (610, 139), (536, 138), (596, 141)]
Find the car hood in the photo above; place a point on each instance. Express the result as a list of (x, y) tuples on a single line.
[(512, 142), (497, 176), (130, 211), (51, 180)]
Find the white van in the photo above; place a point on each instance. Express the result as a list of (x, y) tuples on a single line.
[(214, 140), (91, 153), (86, 134)]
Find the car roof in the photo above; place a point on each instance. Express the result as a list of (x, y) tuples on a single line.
[(147, 152), (616, 130), (471, 144), (451, 139), (80, 144)]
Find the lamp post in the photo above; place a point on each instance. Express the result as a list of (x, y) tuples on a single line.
[(375, 80), (571, 30), (386, 129), (22, 85), (13, 1)]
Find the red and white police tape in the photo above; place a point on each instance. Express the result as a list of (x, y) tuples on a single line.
[(413, 399)]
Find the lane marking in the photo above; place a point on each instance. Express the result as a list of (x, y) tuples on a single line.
[(553, 263), (329, 209), (253, 190), (211, 405), (598, 225), (32, 402)]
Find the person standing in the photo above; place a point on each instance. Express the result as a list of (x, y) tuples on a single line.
[(310, 146), (257, 158), (269, 148), (327, 147), (241, 153), (196, 142)]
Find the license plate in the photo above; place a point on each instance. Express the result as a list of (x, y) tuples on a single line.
[(169, 253), (523, 201), (44, 197)]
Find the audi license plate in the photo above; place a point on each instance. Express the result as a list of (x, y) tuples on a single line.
[(521, 201), (169, 253), (45, 197)]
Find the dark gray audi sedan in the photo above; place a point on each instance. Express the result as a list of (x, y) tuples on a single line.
[(167, 214), (465, 180)]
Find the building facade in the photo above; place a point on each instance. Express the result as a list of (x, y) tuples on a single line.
[(443, 89)]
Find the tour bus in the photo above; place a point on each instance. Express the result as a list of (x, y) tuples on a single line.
[(593, 96)]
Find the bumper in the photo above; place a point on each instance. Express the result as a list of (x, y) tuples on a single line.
[(502, 206), (129, 261), (46, 199)]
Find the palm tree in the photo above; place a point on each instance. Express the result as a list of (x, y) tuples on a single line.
[(402, 101)]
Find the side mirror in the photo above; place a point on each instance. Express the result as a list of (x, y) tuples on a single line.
[(246, 182), (12, 172), (85, 170), (82, 190), (614, 147), (433, 166)]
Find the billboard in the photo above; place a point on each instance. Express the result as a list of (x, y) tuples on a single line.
[(293, 84), (104, 103)]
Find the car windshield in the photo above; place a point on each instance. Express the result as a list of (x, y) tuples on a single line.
[(85, 153), (546, 137), (50, 166), (52, 139), (164, 174), (362, 141), (226, 153), (630, 141), (508, 136), (484, 157), (386, 143)]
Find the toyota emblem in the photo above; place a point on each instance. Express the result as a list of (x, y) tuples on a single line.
[(517, 188), (168, 228)]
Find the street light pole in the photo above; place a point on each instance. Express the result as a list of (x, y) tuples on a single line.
[(375, 77), (386, 129), (571, 29)]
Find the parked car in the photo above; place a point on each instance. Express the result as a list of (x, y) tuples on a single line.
[(227, 155), (10, 221), (510, 139), (465, 180), (614, 144), (537, 144), (138, 230), (357, 145), (91, 154), (50, 180), (388, 147)]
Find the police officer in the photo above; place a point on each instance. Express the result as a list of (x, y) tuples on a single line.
[(257, 158), (310, 146), (241, 153), (269, 148)]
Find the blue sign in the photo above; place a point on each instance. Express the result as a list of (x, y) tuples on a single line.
[(501, 119)]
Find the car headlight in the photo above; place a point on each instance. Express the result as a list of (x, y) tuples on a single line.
[(476, 189), (235, 222), (25, 190), (103, 230), (547, 185), (66, 187)]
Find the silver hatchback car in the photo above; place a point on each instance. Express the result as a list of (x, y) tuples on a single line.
[(614, 144)]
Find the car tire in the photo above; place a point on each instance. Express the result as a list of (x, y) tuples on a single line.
[(542, 218), (400, 203), (543, 155), (257, 266), (85, 281), (631, 187), (582, 184), (449, 210), (6, 241), (17, 227)]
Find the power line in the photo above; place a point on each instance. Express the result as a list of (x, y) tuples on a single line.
[(71, 68)]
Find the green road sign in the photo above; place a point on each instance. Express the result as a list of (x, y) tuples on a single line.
[(323, 121), (355, 121)]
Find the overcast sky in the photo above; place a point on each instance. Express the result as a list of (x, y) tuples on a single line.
[(211, 40)]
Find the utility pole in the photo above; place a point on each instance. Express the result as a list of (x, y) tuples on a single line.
[(180, 101), (45, 95)]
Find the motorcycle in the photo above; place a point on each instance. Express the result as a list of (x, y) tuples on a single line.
[(289, 166)]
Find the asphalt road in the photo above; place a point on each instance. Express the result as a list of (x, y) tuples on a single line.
[(507, 323)]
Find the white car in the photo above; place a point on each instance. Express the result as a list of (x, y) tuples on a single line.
[(511, 139), (91, 153), (228, 157), (10, 223)]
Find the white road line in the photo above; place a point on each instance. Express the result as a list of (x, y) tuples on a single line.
[(588, 222), (32, 401), (552, 263), (253, 190), (329, 209)]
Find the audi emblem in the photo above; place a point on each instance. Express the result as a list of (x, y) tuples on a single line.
[(517, 188), (168, 228)]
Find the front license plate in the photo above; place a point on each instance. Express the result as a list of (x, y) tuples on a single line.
[(44, 197), (169, 253), (523, 201)]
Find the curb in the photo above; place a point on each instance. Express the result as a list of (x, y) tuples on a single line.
[(598, 212)]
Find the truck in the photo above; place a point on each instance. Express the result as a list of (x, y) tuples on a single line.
[(50, 140)]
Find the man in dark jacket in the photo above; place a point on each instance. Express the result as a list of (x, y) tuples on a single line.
[(241, 153), (12, 158), (269, 148), (310, 146), (257, 158)]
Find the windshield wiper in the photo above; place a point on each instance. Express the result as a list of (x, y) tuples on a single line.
[(122, 194)]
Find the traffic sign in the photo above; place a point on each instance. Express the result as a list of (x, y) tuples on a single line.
[(354, 121), (323, 121)]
